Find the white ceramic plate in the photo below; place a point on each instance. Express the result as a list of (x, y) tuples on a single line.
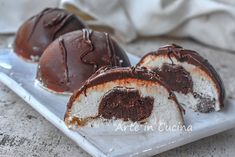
[(19, 76)]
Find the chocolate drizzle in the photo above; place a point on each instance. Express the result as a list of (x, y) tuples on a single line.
[(111, 51), (86, 36), (108, 48), (64, 54), (60, 22), (183, 55), (36, 20), (175, 49), (55, 20)]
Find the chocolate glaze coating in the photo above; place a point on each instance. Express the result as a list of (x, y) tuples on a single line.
[(177, 78), (72, 58), (126, 104), (40, 30), (191, 57)]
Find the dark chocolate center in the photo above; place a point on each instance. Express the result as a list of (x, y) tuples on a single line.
[(126, 104), (177, 78)]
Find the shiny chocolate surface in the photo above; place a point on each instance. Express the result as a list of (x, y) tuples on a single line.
[(39, 31), (72, 58)]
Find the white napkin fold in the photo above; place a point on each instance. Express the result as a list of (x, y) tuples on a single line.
[(14, 12), (211, 22)]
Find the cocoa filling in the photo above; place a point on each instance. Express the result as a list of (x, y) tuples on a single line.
[(126, 104), (205, 104), (177, 78), (192, 57)]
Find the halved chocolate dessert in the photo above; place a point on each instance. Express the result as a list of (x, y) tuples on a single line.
[(193, 79), (40, 30), (123, 95), (72, 58)]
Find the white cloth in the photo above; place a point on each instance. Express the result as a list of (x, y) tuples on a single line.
[(211, 22), (14, 12)]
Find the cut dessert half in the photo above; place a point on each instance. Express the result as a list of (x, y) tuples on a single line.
[(123, 95), (194, 81)]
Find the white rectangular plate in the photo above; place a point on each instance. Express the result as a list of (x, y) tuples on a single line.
[(19, 76)]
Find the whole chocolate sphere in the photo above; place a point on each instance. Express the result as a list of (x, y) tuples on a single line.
[(72, 58), (40, 30)]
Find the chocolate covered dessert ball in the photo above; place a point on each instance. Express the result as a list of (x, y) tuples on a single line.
[(40, 30), (72, 58)]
